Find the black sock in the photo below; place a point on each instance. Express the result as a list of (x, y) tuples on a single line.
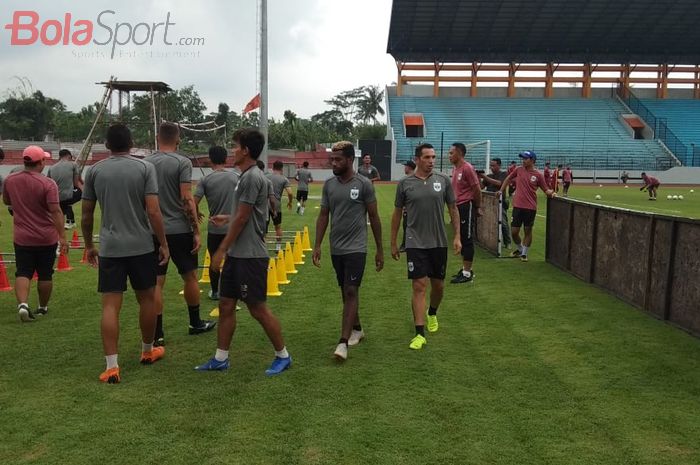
[(420, 329), (159, 326), (343, 341), (432, 311), (214, 278), (193, 310), (357, 327)]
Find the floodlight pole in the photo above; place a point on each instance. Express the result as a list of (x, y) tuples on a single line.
[(263, 77)]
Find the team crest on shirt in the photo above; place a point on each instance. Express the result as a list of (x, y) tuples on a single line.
[(410, 266), (437, 186), (354, 193), (533, 178)]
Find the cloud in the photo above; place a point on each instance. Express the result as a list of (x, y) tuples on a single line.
[(316, 49)]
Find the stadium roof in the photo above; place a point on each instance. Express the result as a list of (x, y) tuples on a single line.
[(540, 31)]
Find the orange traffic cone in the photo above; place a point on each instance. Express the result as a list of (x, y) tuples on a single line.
[(75, 242), (63, 264), (84, 259), (4, 282)]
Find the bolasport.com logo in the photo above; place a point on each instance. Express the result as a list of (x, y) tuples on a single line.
[(105, 31)]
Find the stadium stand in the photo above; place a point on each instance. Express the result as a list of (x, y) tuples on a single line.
[(586, 133)]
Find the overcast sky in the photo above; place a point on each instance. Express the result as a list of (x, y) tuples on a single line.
[(317, 48)]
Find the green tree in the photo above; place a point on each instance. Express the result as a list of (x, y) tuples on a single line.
[(29, 117), (370, 104)]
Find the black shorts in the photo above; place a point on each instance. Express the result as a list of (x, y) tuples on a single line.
[(302, 195), (467, 220), (244, 279), (180, 246), (35, 258), (140, 269), (523, 217), (276, 218), (427, 262), (349, 268), (566, 184), (213, 242)]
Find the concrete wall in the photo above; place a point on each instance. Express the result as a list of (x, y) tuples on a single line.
[(650, 261)]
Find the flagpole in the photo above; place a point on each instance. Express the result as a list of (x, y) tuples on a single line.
[(263, 77)]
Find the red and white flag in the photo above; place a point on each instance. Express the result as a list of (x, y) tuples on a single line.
[(252, 105)]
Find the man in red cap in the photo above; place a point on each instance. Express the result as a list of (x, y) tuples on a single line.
[(38, 228)]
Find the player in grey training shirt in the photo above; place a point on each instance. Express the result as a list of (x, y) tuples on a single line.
[(174, 173), (244, 275), (348, 198), (280, 184), (304, 178), (424, 195), (218, 187), (127, 191), (368, 170), (67, 177)]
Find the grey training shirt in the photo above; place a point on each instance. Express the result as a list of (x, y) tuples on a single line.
[(120, 185), (252, 189), (347, 204), (218, 187), (63, 174), (172, 169), (279, 184), (424, 201), (370, 172), (304, 178)]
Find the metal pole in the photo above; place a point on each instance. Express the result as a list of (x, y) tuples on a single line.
[(442, 143), (263, 77)]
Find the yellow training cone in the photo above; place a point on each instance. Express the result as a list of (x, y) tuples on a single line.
[(306, 240), (289, 259), (205, 270), (281, 269), (297, 238), (298, 256), (273, 289), (214, 313)]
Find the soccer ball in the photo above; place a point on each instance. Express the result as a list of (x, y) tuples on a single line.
[(680, 197), (669, 197), (626, 186), (598, 197), (675, 197), (600, 185), (692, 191)]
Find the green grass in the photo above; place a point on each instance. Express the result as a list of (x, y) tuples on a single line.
[(530, 366)]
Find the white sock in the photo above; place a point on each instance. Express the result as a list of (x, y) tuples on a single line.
[(301, 210), (146, 347), (524, 250), (112, 361), (23, 304), (221, 355), (520, 248), (282, 353), (467, 273)]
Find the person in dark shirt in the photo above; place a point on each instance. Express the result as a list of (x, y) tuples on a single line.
[(492, 183)]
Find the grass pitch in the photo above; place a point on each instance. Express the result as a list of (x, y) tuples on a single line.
[(530, 366)]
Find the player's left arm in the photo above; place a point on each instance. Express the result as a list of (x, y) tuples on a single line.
[(376, 223), (321, 226), (290, 196), (545, 187)]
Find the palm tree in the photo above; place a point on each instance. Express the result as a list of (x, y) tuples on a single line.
[(369, 104)]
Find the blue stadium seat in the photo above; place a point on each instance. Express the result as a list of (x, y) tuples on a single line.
[(585, 133)]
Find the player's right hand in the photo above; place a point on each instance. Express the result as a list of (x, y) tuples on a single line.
[(216, 259), (317, 257), (92, 256), (395, 254), (163, 255)]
